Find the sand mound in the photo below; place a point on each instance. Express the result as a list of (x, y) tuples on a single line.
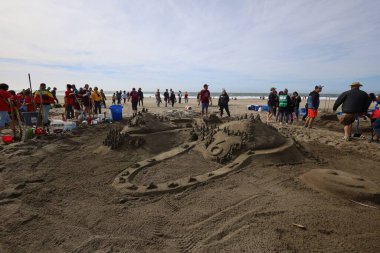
[(343, 184)]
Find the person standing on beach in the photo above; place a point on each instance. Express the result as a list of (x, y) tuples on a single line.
[(283, 109), (205, 99), (134, 97), (96, 99), (44, 98), (104, 98), (125, 96), (69, 102), (272, 103), (186, 95), (5, 102), (223, 103), (172, 97), (166, 97), (158, 97), (114, 99), (355, 102), (297, 102), (54, 93), (86, 99), (179, 96), (313, 105), (141, 97)]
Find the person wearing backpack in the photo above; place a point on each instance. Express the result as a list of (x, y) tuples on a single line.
[(283, 106), (134, 97)]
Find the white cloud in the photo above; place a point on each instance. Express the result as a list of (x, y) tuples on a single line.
[(171, 42)]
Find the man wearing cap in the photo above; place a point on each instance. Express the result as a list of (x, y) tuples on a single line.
[(354, 103), (313, 105), (272, 103), (205, 99)]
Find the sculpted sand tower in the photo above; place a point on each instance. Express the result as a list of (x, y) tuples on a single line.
[(210, 150)]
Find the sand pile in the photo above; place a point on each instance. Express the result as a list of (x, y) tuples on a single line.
[(343, 184)]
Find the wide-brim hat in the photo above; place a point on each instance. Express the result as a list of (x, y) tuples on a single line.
[(356, 84)]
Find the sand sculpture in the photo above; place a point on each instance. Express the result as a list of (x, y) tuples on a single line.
[(215, 149), (342, 184)]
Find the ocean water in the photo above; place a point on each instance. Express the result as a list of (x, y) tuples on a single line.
[(237, 95)]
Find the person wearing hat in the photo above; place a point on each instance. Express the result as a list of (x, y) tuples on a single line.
[(355, 102), (272, 103), (313, 105), (205, 99)]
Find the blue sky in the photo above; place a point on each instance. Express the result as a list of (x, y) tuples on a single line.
[(243, 46)]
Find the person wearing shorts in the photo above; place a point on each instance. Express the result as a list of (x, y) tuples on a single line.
[(313, 105), (205, 99), (355, 102), (134, 97)]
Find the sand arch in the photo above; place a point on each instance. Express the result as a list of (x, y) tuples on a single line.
[(343, 184)]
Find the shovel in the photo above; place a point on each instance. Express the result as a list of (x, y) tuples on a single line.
[(357, 130)]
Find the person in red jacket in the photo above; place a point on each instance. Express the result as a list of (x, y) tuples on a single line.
[(205, 99), (5, 101)]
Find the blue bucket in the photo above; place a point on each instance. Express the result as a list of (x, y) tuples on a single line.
[(265, 108), (116, 112), (302, 111)]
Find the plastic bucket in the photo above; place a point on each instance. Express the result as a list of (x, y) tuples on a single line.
[(265, 108), (116, 112), (30, 118), (7, 139)]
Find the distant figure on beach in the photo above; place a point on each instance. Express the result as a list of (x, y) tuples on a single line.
[(172, 97), (5, 103), (166, 97), (104, 98), (125, 96), (297, 101), (86, 98), (158, 97), (186, 95), (205, 99), (134, 97), (141, 97), (114, 99), (69, 102), (223, 103), (355, 103), (96, 99), (44, 99), (375, 119), (283, 107), (272, 103), (118, 97), (179, 96), (54, 93), (313, 105)]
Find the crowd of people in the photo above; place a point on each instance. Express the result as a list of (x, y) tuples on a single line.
[(283, 106)]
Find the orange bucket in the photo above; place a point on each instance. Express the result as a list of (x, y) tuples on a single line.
[(7, 139)]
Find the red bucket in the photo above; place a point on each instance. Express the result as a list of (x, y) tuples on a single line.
[(7, 139)]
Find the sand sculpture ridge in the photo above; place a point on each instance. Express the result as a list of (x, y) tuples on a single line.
[(228, 147)]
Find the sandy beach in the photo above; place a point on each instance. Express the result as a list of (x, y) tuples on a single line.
[(160, 189)]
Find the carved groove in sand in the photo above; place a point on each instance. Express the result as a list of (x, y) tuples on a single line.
[(228, 146)]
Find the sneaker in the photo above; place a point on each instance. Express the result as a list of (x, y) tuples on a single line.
[(346, 138)]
